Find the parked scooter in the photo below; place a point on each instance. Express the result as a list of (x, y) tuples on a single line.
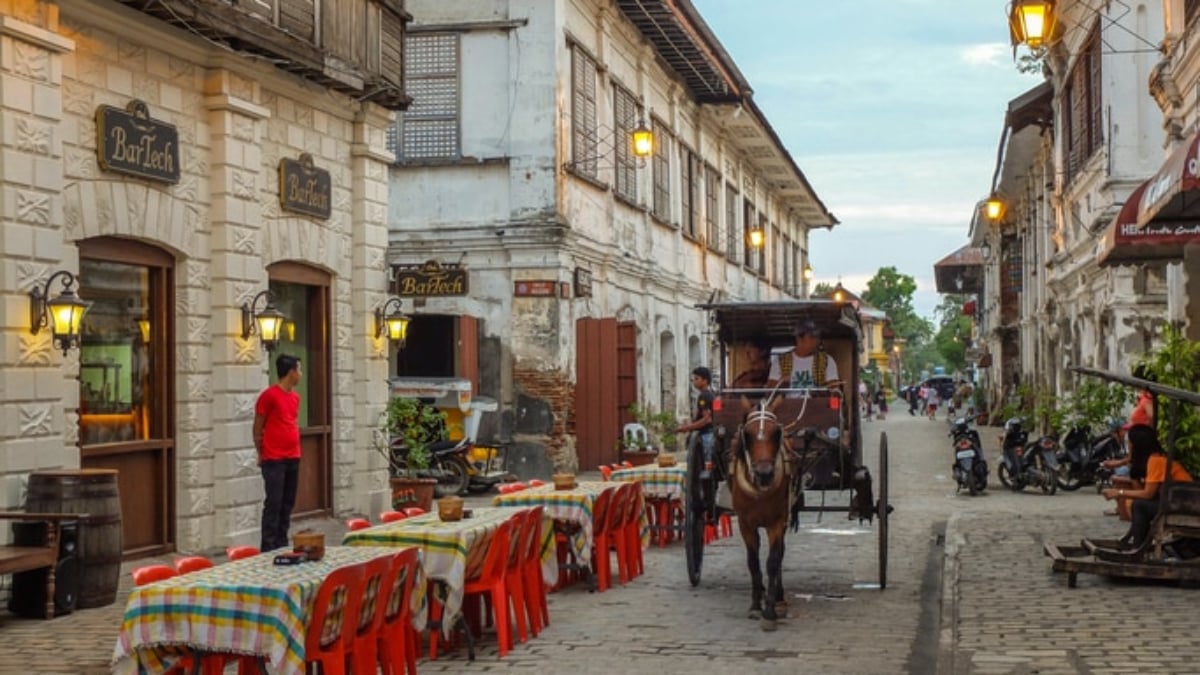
[(1027, 464), (1080, 461), (447, 464), (970, 468)]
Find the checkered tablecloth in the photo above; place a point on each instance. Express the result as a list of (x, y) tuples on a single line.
[(452, 551), (249, 606), (657, 482), (573, 505)]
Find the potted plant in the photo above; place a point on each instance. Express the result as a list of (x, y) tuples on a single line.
[(406, 429)]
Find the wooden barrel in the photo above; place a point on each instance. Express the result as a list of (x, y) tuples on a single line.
[(94, 492)]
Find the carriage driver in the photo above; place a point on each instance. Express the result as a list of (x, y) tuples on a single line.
[(702, 418), (808, 365)]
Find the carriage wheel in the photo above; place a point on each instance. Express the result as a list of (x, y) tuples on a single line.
[(693, 524), (882, 508)]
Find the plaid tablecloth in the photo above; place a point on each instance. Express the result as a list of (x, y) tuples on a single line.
[(571, 505), (452, 551), (657, 481), (249, 606)]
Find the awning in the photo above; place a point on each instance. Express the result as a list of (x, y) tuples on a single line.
[(960, 272), (1174, 192), (1126, 243)]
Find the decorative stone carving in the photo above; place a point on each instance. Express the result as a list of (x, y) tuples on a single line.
[(188, 359), (145, 88), (199, 387), (33, 207), (242, 185), (197, 330), (35, 420), (244, 240), (79, 162), (243, 406), (246, 349), (197, 275), (243, 128), (195, 161), (30, 61), (182, 71), (188, 417), (200, 443), (186, 189), (71, 432), (33, 137)]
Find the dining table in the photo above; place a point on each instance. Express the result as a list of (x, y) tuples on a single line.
[(574, 505), (452, 551), (247, 607), (661, 485)]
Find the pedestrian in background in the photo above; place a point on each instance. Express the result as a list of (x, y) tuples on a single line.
[(277, 440)]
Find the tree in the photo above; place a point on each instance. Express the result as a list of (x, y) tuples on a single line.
[(954, 331), (822, 290), (892, 293)]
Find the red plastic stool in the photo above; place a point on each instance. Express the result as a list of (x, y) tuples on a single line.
[(725, 523)]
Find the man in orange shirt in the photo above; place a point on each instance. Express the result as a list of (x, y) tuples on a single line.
[(277, 439), (1143, 439)]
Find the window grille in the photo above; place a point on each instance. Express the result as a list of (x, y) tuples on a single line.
[(429, 129), (1085, 115), (584, 133), (690, 191)]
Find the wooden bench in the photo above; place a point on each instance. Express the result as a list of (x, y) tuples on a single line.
[(15, 558)]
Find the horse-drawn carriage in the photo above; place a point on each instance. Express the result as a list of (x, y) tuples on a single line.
[(777, 443)]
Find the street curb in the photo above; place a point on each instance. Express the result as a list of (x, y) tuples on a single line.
[(948, 632)]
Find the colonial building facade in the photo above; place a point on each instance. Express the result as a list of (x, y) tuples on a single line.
[(176, 160), (585, 263), (1072, 154)]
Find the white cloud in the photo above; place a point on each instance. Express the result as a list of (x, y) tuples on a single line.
[(990, 54)]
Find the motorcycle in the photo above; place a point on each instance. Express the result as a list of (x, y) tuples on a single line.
[(970, 468), (1024, 464), (1080, 461), (447, 464)]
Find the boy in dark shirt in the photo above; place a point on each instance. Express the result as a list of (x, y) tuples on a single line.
[(702, 419)]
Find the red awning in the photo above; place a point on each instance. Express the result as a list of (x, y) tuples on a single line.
[(1174, 192), (1126, 243)]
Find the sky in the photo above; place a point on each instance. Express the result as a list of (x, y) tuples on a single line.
[(893, 110)]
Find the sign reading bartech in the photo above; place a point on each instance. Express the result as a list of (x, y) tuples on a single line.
[(303, 188), (430, 280), (129, 141)]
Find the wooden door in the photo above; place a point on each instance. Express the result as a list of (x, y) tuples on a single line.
[(127, 383), (467, 363), (302, 293), (597, 424), (627, 382)]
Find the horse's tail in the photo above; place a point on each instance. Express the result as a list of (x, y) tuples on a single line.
[(797, 497)]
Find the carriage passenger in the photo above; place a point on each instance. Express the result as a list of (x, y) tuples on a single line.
[(808, 365), (702, 418), (758, 354)]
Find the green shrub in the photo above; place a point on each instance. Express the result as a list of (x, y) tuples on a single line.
[(1177, 364)]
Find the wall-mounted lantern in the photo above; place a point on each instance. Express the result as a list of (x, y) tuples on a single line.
[(756, 236), (390, 321), (64, 312), (643, 140), (267, 323), (1032, 22)]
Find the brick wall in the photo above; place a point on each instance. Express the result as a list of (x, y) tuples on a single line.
[(551, 415)]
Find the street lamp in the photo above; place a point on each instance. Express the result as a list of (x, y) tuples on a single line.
[(392, 323), (1032, 22), (808, 272), (994, 208), (643, 140), (756, 236)]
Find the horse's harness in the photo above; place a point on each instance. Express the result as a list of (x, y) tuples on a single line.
[(760, 417)]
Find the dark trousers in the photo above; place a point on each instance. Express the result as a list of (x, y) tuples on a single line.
[(280, 478), (1142, 513)]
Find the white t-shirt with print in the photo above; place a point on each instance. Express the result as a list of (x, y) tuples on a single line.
[(802, 367)]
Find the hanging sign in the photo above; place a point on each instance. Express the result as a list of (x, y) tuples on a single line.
[(430, 279), (303, 188), (129, 141), (583, 283)]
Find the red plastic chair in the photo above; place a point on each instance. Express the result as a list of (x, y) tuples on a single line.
[(602, 511), (379, 576), (627, 464), (490, 582), (397, 638), (413, 511), (534, 482), (514, 575), (357, 524), (392, 516), (618, 541), (239, 552), (331, 630), (192, 563), (152, 573), (606, 472), (632, 529), (535, 586)]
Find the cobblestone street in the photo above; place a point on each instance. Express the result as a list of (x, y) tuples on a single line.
[(997, 609)]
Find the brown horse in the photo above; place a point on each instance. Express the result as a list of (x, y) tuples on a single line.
[(761, 487)]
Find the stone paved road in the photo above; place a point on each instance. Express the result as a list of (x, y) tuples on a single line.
[(1002, 609)]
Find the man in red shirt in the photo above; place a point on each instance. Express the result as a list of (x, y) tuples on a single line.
[(277, 439)]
